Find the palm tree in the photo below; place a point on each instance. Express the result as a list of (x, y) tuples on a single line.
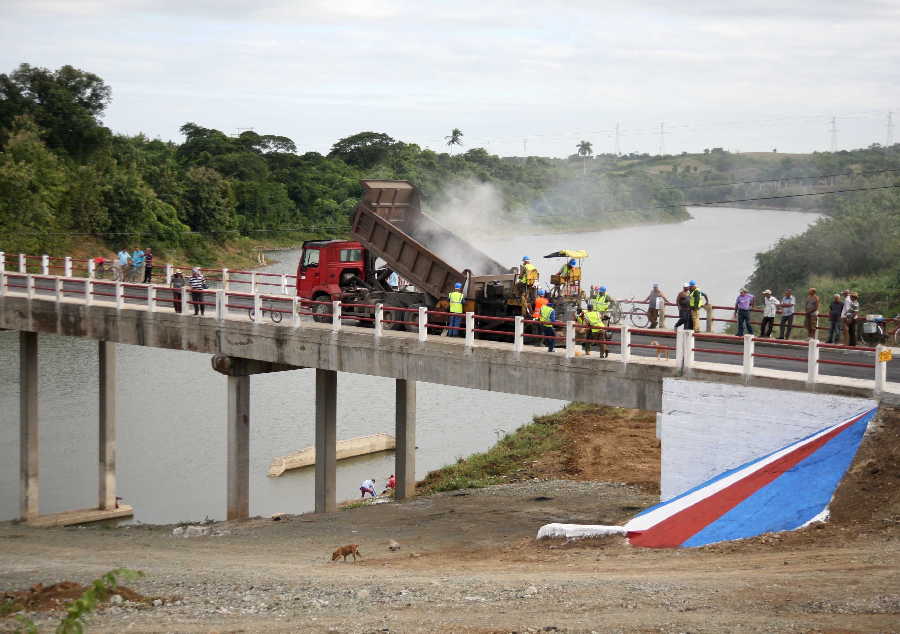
[(584, 151), (454, 138)]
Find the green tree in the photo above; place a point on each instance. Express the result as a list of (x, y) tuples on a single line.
[(585, 150), (363, 150), (67, 105), (209, 203), (454, 138)]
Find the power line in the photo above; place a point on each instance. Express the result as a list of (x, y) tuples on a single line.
[(324, 228), (780, 180)]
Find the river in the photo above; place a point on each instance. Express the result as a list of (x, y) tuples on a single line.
[(171, 430)]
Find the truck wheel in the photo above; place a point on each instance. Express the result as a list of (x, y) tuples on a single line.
[(321, 312)]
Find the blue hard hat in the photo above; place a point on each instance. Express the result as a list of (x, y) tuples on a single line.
[(540, 292), (692, 283), (572, 262), (457, 285), (525, 258), (602, 289)]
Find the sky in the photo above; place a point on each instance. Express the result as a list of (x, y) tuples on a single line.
[(517, 77)]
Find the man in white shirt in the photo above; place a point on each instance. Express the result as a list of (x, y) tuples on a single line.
[(788, 303), (368, 486), (770, 308)]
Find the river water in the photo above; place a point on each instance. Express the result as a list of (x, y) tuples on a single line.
[(171, 429)]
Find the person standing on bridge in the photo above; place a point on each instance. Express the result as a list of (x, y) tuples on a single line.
[(177, 285), (592, 324), (137, 265), (548, 316), (811, 312), (148, 266), (835, 310), (697, 300), (456, 309), (656, 307), (123, 262), (198, 284), (770, 308), (788, 302), (683, 301), (742, 306), (850, 315), (539, 302), (528, 277), (601, 301)]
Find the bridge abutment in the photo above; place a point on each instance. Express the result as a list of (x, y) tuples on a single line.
[(405, 432), (237, 463), (28, 426), (326, 441)]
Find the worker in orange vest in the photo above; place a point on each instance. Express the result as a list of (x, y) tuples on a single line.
[(539, 302)]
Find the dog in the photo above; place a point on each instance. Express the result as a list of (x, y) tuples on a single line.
[(343, 551), (660, 351)]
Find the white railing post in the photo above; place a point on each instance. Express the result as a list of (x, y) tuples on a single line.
[(90, 268), (220, 305), (2, 282), (688, 350), (257, 308), (45, 264), (58, 288), (295, 312), (185, 299), (679, 348), (151, 298), (625, 341), (880, 368), (749, 346), (335, 315), (67, 266), (379, 320), (570, 339), (23, 263), (2, 262), (812, 362), (470, 330), (120, 300), (518, 333), (170, 271), (423, 323), (29, 286), (283, 284), (89, 292), (253, 281), (225, 279)]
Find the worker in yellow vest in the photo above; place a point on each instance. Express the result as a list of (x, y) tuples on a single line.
[(548, 316), (456, 309), (528, 273), (697, 300), (601, 301), (592, 323)]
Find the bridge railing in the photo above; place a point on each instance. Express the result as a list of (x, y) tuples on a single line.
[(568, 335)]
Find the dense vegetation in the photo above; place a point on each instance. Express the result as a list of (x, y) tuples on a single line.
[(67, 181)]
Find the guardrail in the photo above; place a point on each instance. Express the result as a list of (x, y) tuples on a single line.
[(421, 320)]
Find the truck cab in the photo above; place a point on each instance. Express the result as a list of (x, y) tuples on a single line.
[(327, 266)]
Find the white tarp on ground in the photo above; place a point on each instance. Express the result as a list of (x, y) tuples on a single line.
[(577, 531)]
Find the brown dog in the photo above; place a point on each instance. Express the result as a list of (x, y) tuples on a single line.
[(660, 352), (349, 549)]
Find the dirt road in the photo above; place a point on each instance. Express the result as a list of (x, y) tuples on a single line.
[(469, 562)]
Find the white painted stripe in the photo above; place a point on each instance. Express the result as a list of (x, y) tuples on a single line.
[(644, 522), (577, 531)]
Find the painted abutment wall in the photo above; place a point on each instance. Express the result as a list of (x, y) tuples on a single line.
[(709, 428)]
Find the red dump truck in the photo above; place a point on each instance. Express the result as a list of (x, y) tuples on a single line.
[(390, 233)]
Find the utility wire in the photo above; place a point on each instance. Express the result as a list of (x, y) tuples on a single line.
[(779, 180), (344, 228)]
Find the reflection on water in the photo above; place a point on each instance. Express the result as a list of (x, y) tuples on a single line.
[(171, 434)]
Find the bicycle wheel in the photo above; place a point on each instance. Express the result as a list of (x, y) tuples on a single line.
[(275, 315), (615, 313), (250, 313), (639, 317)]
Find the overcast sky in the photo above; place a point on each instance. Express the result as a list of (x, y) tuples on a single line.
[(750, 78)]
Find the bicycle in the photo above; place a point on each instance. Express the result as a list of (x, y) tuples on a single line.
[(614, 312), (274, 314), (639, 316)]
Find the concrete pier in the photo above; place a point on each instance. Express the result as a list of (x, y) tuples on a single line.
[(326, 440), (107, 435), (28, 425), (405, 432), (238, 448)]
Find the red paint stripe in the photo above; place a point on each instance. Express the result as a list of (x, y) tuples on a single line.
[(676, 529)]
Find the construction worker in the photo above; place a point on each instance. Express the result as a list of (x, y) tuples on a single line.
[(601, 301), (592, 323), (529, 274), (548, 316), (456, 308), (696, 301), (539, 302)]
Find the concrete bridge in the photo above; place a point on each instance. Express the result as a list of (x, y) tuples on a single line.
[(139, 314)]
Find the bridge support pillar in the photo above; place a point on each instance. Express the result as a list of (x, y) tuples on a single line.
[(405, 433), (326, 440), (238, 448), (107, 435), (28, 425)]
